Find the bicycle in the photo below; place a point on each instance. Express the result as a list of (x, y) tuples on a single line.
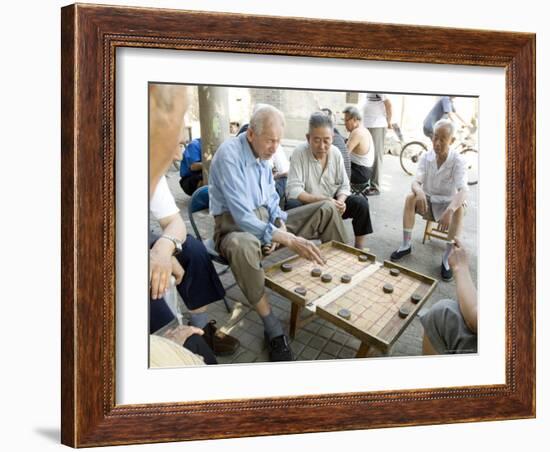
[(412, 151)]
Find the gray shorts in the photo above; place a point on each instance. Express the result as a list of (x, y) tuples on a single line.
[(434, 211), (444, 325)]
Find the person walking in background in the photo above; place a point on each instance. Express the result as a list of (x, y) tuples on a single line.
[(444, 108), (377, 114)]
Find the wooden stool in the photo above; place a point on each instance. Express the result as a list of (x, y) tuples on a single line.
[(434, 229)]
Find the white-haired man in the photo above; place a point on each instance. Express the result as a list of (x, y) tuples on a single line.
[(438, 193), (248, 219)]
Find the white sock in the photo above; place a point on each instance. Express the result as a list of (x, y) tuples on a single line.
[(446, 255), (406, 244)]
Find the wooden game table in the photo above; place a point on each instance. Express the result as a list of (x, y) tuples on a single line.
[(361, 307)]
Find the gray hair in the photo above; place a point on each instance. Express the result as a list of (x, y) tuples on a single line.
[(320, 119), (264, 113), (450, 125), (353, 112)]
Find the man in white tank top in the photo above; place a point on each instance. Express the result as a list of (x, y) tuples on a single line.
[(360, 146)]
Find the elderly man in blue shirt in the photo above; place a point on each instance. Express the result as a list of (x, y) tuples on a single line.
[(245, 205), (191, 167)]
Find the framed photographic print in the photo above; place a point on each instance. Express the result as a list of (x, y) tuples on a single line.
[(115, 61)]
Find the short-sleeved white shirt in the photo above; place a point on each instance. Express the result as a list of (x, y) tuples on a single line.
[(374, 111), (162, 203), (279, 161), (441, 184)]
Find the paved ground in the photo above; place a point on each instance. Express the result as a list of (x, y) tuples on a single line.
[(320, 340)]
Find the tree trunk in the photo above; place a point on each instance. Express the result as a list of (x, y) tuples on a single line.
[(214, 119)]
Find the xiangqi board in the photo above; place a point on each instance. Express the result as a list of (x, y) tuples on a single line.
[(373, 301)]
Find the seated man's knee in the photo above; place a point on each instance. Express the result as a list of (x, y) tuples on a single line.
[(359, 201), (437, 316), (410, 199), (192, 251), (328, 206), (194, 246), (445, 305), (243, 245), (444, 312), (436, 321), (459, 213)]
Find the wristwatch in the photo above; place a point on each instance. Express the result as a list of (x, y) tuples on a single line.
[(177, 243)]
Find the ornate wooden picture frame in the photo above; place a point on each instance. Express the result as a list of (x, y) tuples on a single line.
[(90, 37)]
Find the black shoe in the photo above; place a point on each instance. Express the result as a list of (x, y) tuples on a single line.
[(446, 275), (279, 348), (220, 343), (396, 255)]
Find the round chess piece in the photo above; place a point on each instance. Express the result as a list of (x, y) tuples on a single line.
[(388, 288), (301, 291), (346, 279), (344, 313), (316, 272), (286, 267), (326, 278), (416, 297), (403, 313), (394, 271), (363, 258)]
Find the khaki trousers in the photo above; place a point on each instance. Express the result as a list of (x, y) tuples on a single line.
[(320, 220), (378, 138)]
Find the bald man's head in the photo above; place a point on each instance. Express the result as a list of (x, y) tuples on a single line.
[(167, 105)]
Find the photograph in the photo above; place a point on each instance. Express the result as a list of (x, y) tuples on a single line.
[(311, 225)]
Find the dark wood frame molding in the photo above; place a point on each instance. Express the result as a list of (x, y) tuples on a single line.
[(90, 35)]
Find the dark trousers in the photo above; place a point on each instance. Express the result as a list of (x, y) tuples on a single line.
[(190, 183), (357, 208), (160, 315), (360, 174), (200, 285), (280, 187), (198, 345)]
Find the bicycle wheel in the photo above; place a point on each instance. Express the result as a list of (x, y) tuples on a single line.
[(472, 164), (410, 156)]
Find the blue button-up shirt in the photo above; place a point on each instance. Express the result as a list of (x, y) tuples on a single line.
[(239, 183)]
